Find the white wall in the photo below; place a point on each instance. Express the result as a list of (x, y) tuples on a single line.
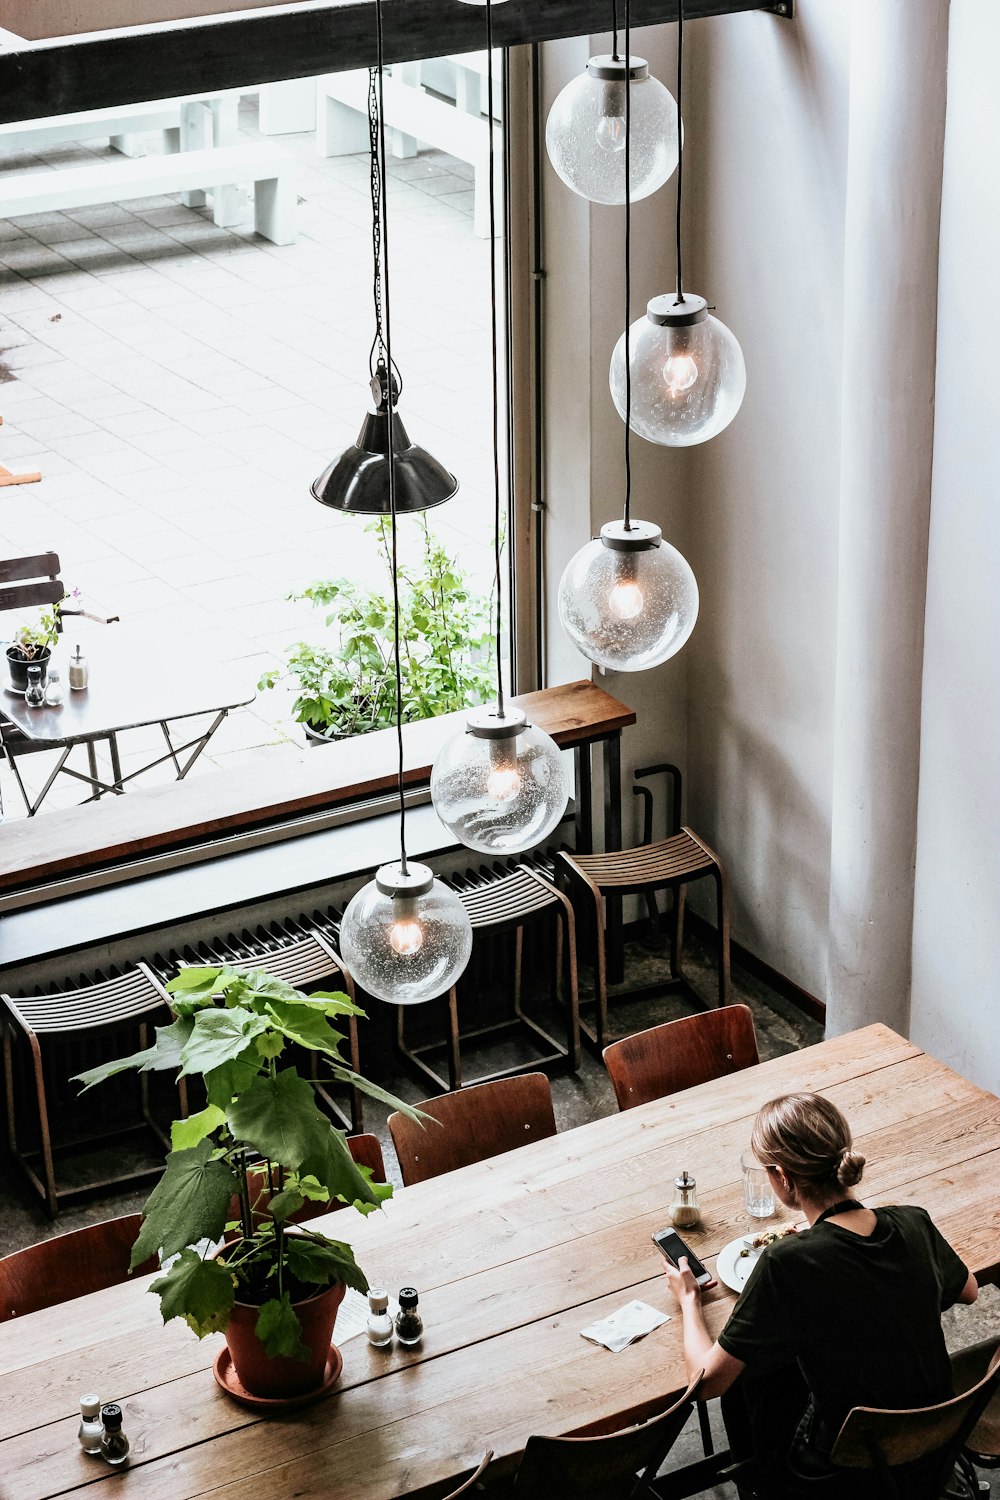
[(41, 19), (956, 994)]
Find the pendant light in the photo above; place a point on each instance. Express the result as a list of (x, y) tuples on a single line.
[(586, 128), (499, 784), (687, 372), (405, 937), (357, 481), (628, 600)]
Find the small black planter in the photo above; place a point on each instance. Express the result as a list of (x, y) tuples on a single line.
[(318, 737), (19, 667)]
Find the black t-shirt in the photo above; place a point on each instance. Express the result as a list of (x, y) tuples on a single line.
[(862, 1316)]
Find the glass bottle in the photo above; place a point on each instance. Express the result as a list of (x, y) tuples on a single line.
[(379, 1326), (34, 693), (79, 670), (114, 1443), (409, 1323), (53, 689), (90, 1424), (684, 1210)]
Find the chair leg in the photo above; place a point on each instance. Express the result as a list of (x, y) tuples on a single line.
[(51, 1196), (454, 1048), (706, 1429), (677, 961), (357, 1107), (518, 967), (722, 890)]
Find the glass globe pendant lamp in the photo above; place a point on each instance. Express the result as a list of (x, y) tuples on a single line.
[(628, 600), (405, 937), (585, 132), (500, 784), (688, 375)]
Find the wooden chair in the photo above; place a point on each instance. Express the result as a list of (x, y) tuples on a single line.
[(466, 1487), (496, 905), (670, 863), (34, 1020), (365, 1150), (968, 1366), (680, 1054), (70, 1265), (483, 1120), (615, 1466)]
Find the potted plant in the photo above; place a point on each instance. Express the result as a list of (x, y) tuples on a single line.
[(32, 644), (346, 685), (243, 1166)]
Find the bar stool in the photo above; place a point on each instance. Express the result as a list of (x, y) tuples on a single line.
[(37, 1019), (497, 905), (306, 962), (670, 863)]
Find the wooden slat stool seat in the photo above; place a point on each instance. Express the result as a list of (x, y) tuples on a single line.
[(668, 863), (497, 905), (30, 1021)]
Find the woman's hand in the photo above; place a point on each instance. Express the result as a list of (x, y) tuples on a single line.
[(681, 1282)]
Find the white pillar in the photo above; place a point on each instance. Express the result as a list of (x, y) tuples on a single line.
[(895, 147)]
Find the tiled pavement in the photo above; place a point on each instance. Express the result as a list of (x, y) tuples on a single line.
[(179, 387)]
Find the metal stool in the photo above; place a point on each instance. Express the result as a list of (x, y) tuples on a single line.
[(668, 863), (111, 1003), (496, 904), (307, 962)]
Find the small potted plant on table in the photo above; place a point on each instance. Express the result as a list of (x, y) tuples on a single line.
[(241, 1168), (31, 647)]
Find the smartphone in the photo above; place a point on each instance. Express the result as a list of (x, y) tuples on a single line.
[(672, 1247)]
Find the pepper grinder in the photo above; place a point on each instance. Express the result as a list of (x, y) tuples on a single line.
[(114, 1443), (409, 1323)]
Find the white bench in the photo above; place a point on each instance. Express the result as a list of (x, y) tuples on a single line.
[(342, 128), (269, 168)]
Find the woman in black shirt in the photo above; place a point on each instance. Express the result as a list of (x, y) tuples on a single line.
[(846, 1314)]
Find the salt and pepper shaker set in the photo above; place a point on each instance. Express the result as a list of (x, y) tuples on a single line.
[(50, 694), (101, 1430), (408, 1327)]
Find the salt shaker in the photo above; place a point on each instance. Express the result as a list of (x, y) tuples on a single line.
[(379, 1326), (684, 1210), (409, 1323), (114, 1443), (79, 670), (53, 689), (34, 693), (90, 1424)]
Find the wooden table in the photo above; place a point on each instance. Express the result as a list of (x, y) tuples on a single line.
[(512, 1258)]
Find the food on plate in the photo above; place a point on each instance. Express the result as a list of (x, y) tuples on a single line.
[(765, 1238)]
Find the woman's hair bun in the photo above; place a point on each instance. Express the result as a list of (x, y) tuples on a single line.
[(852, 1164)]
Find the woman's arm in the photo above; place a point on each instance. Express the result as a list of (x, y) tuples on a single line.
[(970, 1290), (701, 1351)]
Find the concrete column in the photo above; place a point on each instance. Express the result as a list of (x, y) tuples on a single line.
[(895, 150)]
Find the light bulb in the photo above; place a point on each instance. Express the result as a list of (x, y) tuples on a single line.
[(405, 937), (688, 374), (500, 784), (628, 600), (585, 131)]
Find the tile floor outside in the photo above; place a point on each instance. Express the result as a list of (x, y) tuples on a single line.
[(179, 386)]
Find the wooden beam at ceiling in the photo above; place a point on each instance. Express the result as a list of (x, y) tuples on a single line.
[(101, 69)]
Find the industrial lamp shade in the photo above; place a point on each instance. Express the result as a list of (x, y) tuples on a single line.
[(405, 937), (628, 600), (585, 131), (358, 479)]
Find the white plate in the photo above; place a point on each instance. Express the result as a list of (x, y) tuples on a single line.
[(732, 1268)]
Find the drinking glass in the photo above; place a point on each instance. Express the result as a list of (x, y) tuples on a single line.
[(757, 1187)]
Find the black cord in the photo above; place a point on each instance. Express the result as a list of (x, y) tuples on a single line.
[(392, 453), (493, 324), (680, 142), (628, 266), (614, 29)]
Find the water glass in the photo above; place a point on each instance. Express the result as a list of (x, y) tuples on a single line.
[(756, 1187)]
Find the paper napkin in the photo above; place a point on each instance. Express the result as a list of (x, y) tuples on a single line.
[(631, 1322)]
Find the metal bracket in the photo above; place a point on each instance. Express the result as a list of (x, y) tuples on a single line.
[(783, 8)]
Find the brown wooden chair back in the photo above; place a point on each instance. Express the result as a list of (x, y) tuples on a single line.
[(69, 1265), (615, 1466), (366, 1152), (680, 1054), (468, 1485), (44, 587), (886, 1440), (473, 1124)]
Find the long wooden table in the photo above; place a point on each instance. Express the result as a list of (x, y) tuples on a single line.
[(512, 1258)]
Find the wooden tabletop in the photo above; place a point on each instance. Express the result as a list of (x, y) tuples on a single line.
[(512, 1258)]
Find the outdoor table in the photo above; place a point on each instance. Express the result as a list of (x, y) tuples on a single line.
[(136, 680), (512, 1258)]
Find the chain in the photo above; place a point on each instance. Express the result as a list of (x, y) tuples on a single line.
[(376, 359)]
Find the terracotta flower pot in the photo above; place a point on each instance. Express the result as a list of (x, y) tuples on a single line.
[(263, 1374)]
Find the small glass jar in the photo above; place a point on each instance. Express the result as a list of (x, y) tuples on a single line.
[(79, 671), (114, 1443), (53, 689), (34, 693), (90, 1424), (379, 1326), (409, 1323), (684, 1210)]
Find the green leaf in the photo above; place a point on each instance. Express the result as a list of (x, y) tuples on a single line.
[(218, 1037), (309, 1028), (314, 1258), (194, 977), (284, 1204), (187, 1133), (199, 1291), (280, 1331), (270, 1046), (347, 1075), (232, 1078), (189, 1203), (164, 1053)]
